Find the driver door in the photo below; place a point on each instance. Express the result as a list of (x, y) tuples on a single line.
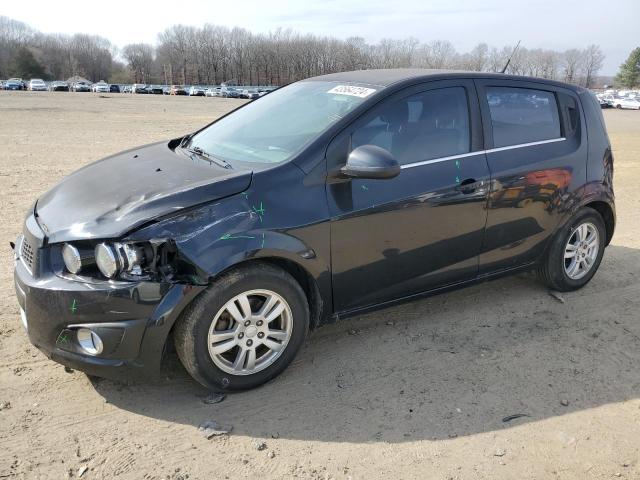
[(393, 238)]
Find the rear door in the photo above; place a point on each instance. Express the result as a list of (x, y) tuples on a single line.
[(422, 229), (537, 152)]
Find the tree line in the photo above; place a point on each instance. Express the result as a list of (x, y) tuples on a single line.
[(213, 54)]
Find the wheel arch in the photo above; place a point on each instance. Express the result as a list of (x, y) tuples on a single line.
[(300, 274), (303, 276), (602, 203), (608, 216)]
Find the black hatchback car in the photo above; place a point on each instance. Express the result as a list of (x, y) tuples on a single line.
[(328, 197)]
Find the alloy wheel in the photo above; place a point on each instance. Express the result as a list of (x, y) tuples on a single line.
[(250, 332), (581, 250)]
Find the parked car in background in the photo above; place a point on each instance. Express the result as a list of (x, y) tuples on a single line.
[(197, 91), (264, 91), (628, 103), (37, 85), (406, 183), (113, 88), (126, 89), (58, 86), (155, 89), (166, 90), (139, 88), (250, 94), (13, 84), (213, 92), (100, 87), (178, 90), (80, 87), (229, 92), (603, 103)]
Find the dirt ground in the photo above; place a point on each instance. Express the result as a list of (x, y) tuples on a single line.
[(416, 391)]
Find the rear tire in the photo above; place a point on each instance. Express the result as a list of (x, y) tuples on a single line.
[(227, 339), (575, 252)]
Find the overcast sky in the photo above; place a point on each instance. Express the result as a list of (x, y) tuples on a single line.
[(555, 24)]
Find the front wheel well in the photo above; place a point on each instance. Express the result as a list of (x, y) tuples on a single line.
[(303, 277), (606, 212), (305, 280)]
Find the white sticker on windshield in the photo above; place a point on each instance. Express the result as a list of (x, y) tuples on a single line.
[(352, 90)]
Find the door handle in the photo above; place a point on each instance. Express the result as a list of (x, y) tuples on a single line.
[(469, 185)]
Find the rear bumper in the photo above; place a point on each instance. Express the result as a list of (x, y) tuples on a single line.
[(133, 319)]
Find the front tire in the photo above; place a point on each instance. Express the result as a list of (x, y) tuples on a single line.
[(575, 252), (244, 329)]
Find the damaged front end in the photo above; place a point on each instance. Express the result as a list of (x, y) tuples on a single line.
[(129, 261), (90, 297), (108, 261), (101, 306)]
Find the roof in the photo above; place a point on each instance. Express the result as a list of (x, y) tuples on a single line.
[(386, 77), (382, 77)]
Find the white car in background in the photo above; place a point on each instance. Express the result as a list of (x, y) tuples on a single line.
[(37, 85), (100, 87), (214, 92), (197, 91), (628, 103)]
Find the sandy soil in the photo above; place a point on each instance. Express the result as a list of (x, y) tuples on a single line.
[(416, 391)]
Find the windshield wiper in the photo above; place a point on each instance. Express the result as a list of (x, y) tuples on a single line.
[(186, 139), (207, 156)]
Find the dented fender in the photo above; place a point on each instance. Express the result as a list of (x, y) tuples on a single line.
[(254, 224)]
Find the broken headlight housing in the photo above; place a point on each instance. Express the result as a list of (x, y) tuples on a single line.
[(116, 258), (112, 259), (154, 260)]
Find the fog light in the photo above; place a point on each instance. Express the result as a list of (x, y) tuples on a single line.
[(89, 341)]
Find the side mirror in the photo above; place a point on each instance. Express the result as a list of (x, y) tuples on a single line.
[(370, 161)]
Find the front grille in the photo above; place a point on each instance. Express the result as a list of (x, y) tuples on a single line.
[(27, 254)]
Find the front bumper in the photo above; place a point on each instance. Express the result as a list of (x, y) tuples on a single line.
[(133, 319)]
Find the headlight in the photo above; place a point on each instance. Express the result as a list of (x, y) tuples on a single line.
[(71, 257), (76, 259), (119, 257), (106, 260)]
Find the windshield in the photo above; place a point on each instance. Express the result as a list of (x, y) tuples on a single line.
[(276, 127)]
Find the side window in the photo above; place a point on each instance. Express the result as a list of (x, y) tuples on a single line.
[(522, 115), (424, 126), (571, 114)]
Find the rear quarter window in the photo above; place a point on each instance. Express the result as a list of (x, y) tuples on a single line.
[(522, 115)]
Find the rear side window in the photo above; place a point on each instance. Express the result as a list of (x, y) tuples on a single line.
[(428, 125), (522, 115)]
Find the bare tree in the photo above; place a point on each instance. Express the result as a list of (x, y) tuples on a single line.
[(572, 63), (140, 57), (13, 36), (593, 58)]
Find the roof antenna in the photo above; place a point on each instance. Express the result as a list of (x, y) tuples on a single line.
[(510, 56)]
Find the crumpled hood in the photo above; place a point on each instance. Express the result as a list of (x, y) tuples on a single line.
[(110, 197)]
